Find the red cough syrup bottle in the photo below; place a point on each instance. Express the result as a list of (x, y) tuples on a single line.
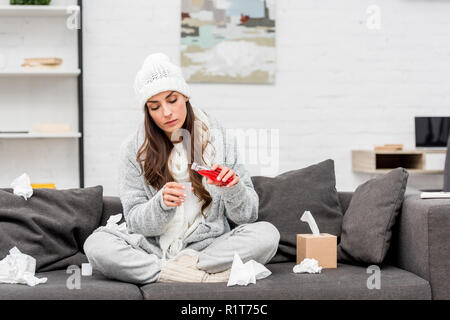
[(212, 174)]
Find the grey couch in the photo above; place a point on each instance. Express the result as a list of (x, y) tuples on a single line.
[(416, 267), (447, 168)]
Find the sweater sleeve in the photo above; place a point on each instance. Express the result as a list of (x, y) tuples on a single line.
[(143, 215), (241, 200)]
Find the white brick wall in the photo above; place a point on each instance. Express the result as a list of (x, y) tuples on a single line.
[(339, 86)]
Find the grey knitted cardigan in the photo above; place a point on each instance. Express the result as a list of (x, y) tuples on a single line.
[(146, 214)]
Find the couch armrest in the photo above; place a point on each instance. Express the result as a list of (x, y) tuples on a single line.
[(423, 241), (111, 206)]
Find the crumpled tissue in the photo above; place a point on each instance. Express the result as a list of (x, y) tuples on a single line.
[(18, 267), (244, 273), (22, 186), (307, 266), (113, 223)]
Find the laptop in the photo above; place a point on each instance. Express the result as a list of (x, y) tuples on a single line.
[(432, 132)]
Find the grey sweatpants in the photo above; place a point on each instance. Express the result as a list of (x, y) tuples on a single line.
[(117, 259)]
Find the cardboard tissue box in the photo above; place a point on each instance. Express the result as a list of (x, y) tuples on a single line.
[(319, 246)]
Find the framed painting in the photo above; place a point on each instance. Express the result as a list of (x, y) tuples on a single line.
[(228, 41)]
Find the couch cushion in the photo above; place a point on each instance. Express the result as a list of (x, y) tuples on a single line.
[(344, 199), (92, 287), (446, 187), (283, 199), (345, 282), (51, 226), (368, 221)]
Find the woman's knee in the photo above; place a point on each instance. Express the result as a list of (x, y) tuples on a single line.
[(267, 232), (97, 248), (115, 258), (271, 230)]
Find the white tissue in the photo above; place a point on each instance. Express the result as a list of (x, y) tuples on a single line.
[(22, 186), (243, 274), (308, 218), (307, 266), (17, 267), (86, 269), (113, 223)]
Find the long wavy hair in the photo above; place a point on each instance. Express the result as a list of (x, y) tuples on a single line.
[(153, 155)]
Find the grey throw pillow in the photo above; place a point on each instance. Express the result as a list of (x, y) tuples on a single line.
[(368, 221), (283, 199), (51, 226)]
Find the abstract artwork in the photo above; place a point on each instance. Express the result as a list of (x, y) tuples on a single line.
[(228, 41)]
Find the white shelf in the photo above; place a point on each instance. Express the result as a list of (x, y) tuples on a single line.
[(39, 135), (36, 11), (40, 73), (60, 147)]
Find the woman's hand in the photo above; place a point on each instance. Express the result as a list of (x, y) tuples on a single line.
[(173, 194), (223, 176)]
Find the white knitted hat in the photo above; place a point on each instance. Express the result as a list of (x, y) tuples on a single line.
[(156, 75)]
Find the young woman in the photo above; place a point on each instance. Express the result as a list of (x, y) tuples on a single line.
[(166, 240)]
